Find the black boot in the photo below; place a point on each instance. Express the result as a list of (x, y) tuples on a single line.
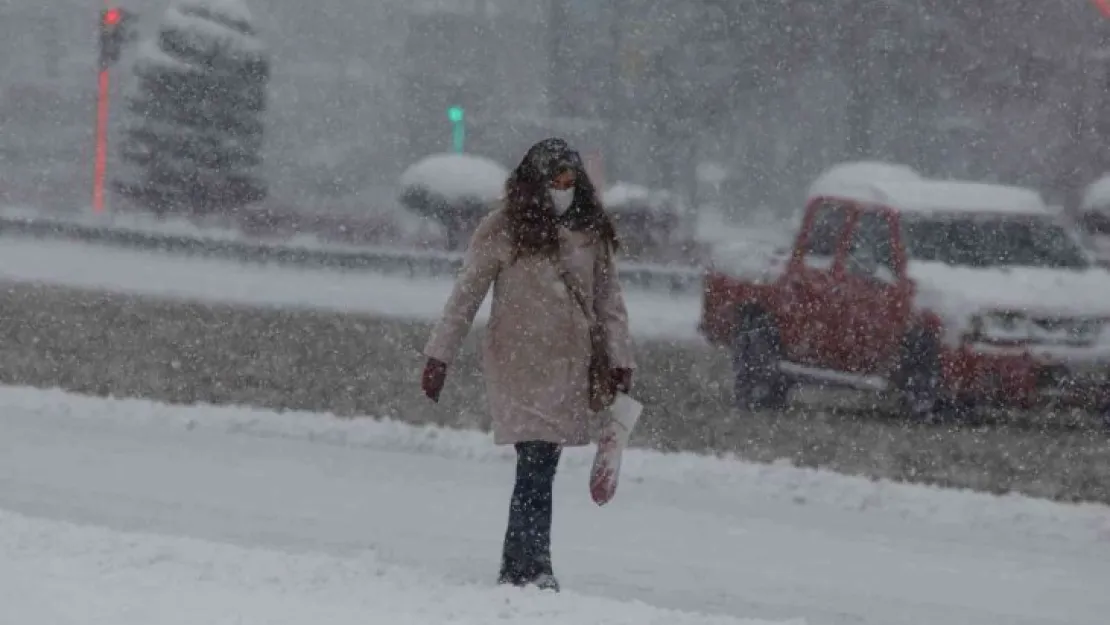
[(542, 576), (514, 564), (546, 581), (526, 554), (520, 568)]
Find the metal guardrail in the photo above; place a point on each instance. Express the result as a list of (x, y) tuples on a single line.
[(411, 263)]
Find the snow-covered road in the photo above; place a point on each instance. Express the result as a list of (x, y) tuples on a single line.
[(236, 515)]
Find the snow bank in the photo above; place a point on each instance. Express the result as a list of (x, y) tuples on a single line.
[(760, 256), (457, 177), (104, 267), (713, 226), (1096, 197), (60, 574), (626, 196), (732, 478), (753, 247)]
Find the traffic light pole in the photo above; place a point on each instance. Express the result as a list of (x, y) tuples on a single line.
[(112, 33), (100, 163)]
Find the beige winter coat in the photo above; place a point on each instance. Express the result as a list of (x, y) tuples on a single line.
[(536, 351)]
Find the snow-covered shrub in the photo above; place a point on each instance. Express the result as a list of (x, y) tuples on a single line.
[(195, 130), (454, 190)]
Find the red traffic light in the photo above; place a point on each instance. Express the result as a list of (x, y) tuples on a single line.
[(1103, 6), (112, 17)]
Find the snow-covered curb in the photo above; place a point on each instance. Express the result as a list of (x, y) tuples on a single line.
[(84, 265), (143, 224), (731, 476), (299, 253)]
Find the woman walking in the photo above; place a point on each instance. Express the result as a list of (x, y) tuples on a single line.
[(547, 251)]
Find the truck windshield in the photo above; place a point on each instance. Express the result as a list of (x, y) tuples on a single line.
[(990, 241)]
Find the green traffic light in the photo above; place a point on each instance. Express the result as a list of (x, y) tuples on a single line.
[(458, 128)]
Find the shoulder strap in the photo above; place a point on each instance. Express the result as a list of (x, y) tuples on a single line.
[(604, 257), (576, 289)]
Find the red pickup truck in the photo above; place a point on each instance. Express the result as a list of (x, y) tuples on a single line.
[(937, 294)]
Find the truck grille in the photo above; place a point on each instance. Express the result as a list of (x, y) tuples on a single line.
[(1065, 331)]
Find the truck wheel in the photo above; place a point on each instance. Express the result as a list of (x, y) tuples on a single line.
[(756, 353), (920, 387), (1103, 415)]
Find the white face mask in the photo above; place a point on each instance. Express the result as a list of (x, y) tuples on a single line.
[(561, 199)]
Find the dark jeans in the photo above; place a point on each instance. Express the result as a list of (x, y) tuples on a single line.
[(527, 551)]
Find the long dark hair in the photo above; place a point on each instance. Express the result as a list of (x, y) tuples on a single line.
[(533, 224)]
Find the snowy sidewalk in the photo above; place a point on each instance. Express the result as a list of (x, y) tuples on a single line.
[(54, 573), (329, 521)]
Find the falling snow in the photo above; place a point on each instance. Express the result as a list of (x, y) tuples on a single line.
[(865, 260)]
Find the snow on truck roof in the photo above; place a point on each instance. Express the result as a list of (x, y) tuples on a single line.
[(934, 196), (867, 171)]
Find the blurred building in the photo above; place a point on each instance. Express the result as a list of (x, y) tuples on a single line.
[(521, 69), (486, 56), (1008, 90)]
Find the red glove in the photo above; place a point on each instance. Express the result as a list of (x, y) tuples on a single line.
[(622, 379), (435, 374)]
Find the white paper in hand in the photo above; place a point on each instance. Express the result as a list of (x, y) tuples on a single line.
[(623, 415)]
